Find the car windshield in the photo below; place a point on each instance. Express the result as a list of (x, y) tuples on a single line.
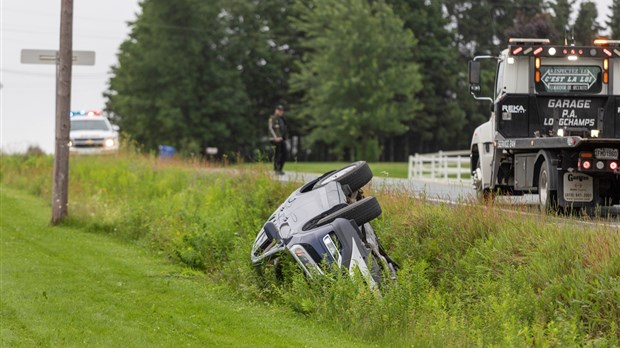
[(79, 125), (569, 79)]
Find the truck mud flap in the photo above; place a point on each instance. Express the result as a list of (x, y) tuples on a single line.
[(577, 190)]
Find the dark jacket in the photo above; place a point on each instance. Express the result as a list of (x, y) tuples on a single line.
[(277, 127)]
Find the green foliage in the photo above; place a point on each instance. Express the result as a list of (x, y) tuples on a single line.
[(178, 81), (263, 47), (358, 78), (440, 116), (540, 25), (194, 74), (207, 73), (614, 19), (471, 275), (65, 286), (482, 27), (562, 10), (587, 27), (29, 173)]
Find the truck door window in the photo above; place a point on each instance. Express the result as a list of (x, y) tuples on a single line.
[(499, 78)]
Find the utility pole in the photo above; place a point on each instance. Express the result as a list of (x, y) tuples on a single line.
[(60, 189)]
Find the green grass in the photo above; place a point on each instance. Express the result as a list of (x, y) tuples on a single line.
[(472, 275), (63, 286)]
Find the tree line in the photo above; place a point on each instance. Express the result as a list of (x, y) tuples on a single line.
[(360, 79)]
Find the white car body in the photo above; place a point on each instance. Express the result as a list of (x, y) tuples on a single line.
[(93, 135)]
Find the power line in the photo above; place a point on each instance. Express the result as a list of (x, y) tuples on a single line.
[(54, 15), (43, 74), (43, 31)]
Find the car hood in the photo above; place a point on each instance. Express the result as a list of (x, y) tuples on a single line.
[(90, 134)]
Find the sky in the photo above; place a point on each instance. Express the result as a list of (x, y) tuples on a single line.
[(28, 92)]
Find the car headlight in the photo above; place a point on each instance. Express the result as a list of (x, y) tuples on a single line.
[(301, 255), (332, 248), (70, 143), (109, 142)]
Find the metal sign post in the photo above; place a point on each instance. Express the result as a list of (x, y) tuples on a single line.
[(64, 59)]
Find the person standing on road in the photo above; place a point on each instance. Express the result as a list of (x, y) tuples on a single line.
[(278, 131)]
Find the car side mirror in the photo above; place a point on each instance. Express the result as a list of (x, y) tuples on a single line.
[(474, 77), (115, 128), (272, 231)]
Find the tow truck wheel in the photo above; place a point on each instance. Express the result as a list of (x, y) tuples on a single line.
[(547, 198), (484, 194)]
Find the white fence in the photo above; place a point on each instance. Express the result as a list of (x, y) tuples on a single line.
[(440, 165)]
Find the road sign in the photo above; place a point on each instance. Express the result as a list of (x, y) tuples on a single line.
[(570, 78), (51, 57)]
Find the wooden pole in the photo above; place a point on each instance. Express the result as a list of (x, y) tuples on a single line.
[(60, 189)]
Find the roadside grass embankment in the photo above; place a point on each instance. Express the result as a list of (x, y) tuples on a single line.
[(471, 275), (63, 287)]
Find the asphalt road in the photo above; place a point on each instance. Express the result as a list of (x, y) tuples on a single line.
[(449, 191)]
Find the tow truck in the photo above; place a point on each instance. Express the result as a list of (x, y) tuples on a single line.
[(92, 133), (554, 128)]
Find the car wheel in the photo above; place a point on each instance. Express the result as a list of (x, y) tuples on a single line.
[(355, 175), (362, 211)]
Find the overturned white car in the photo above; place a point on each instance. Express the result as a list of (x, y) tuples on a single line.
[(327, 220)]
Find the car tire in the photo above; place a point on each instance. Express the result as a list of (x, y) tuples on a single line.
[(361, 212), (355, 175)]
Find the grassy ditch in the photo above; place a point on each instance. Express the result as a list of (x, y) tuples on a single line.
[(471, 275), (64, 287)]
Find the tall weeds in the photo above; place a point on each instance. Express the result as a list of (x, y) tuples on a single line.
[(471, 275)]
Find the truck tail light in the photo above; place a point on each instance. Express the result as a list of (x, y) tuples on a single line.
[(585, 154), (613, 165), (586, 164)]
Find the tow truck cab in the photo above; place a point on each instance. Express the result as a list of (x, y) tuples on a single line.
[(555, 124)]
